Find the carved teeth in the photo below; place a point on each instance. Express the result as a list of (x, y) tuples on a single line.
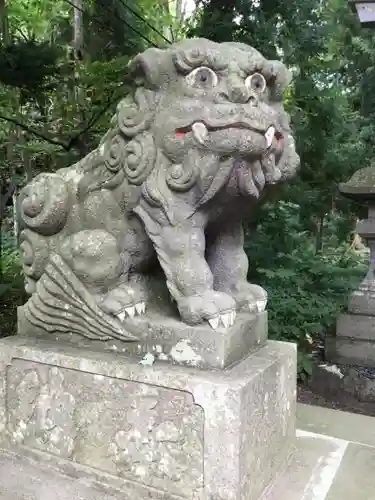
[(214, 323), (200, 132), (269, 135), (261, 305)]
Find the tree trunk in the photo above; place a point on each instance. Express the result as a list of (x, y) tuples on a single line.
[(4, 25), (77, 53), (78, 56), (11, 188), (319, 235), (78, 29)]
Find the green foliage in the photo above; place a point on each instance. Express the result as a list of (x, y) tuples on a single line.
[(12, 292), (307, 289), (28, 65)]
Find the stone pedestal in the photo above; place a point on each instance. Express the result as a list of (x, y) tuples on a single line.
[(160, 432)]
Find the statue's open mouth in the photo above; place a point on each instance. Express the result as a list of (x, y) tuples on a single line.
[(201, 131)]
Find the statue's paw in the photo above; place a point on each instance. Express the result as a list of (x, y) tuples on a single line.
[(217, 308), (125, 301), (251, 297)]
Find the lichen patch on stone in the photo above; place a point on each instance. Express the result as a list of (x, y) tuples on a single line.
[(182, 352)]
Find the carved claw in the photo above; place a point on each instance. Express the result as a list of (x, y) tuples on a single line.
[(227, 320), (140, 308), (258, 306), (121, 316), (261, 305), (214, 322), (130, 312)]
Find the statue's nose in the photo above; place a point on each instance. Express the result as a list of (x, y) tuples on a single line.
[(239, 93)]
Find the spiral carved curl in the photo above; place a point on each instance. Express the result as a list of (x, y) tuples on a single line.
[(114, 154), (181, 178), (139, 160), (34, 252), (134, 113), (44, 204)]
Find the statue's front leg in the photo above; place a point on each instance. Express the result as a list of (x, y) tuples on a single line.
[(229, 265), (181, 252)]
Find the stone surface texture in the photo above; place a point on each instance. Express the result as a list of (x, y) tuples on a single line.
[(198, 143), (156, 431)]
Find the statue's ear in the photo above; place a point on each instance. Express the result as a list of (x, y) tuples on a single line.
[(152, 68), (282, 78)]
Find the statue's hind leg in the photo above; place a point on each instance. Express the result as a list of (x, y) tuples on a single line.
[(103, 267)]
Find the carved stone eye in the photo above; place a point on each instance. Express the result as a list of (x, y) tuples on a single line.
[(202, 77), (256, 82)]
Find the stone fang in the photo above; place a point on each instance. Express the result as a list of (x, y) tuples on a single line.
[(269, 135), (200, 132)]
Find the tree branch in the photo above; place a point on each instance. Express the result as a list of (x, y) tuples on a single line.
[(94, 118), (37, 133), (73, 141)]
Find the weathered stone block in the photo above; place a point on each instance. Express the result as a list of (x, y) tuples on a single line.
[(356, 326), (156, 431), (350, 351), (362, 301), (354, 342)]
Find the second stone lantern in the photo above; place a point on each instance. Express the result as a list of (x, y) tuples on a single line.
[(354, 342)]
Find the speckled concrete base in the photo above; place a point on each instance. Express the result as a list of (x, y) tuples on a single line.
[(158, 431)]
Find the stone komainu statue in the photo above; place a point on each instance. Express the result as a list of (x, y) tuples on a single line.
[(188, 155)]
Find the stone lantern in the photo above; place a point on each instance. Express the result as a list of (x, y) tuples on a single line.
[(365, 12), (354, 342)]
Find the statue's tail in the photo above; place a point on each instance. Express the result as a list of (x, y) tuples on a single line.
[(44, 209)]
